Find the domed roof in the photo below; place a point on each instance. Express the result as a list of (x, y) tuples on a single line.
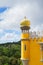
[(25, 22)]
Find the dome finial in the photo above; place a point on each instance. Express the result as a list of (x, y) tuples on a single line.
[(25, 17)]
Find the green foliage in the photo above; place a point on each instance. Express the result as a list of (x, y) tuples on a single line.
[(6, 64), (10, 54)]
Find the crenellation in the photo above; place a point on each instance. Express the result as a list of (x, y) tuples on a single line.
[(39, 39)]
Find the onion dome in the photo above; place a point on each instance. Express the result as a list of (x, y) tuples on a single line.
[(25, 22)]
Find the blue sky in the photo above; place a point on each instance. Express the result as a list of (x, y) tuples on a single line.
[(2, 9), (13, 11)]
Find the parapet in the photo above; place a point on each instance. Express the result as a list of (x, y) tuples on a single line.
[(34, 36)]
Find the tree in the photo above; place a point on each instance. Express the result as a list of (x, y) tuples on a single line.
[(10, 54)]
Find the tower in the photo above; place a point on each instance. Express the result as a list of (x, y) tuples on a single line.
[(25, 45)]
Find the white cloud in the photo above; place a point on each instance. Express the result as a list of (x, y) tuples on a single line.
[(10, 3), (1, 31), (10, 37), (42, 25), (13, 16), (7, 3)]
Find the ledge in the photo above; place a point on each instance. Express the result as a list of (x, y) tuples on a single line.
[(24, 59)]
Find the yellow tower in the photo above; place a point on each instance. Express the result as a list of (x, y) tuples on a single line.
[(25, 45), (31, 46)]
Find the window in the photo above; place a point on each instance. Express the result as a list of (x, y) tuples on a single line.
[(25, 47)]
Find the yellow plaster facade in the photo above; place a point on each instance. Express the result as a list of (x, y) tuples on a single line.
[(31, 48)]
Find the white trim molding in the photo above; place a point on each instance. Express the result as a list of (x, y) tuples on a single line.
[(25, 61), (41, 51)]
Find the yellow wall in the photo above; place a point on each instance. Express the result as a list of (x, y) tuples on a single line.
[(32, 52), (25, 54), (35, 54)]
